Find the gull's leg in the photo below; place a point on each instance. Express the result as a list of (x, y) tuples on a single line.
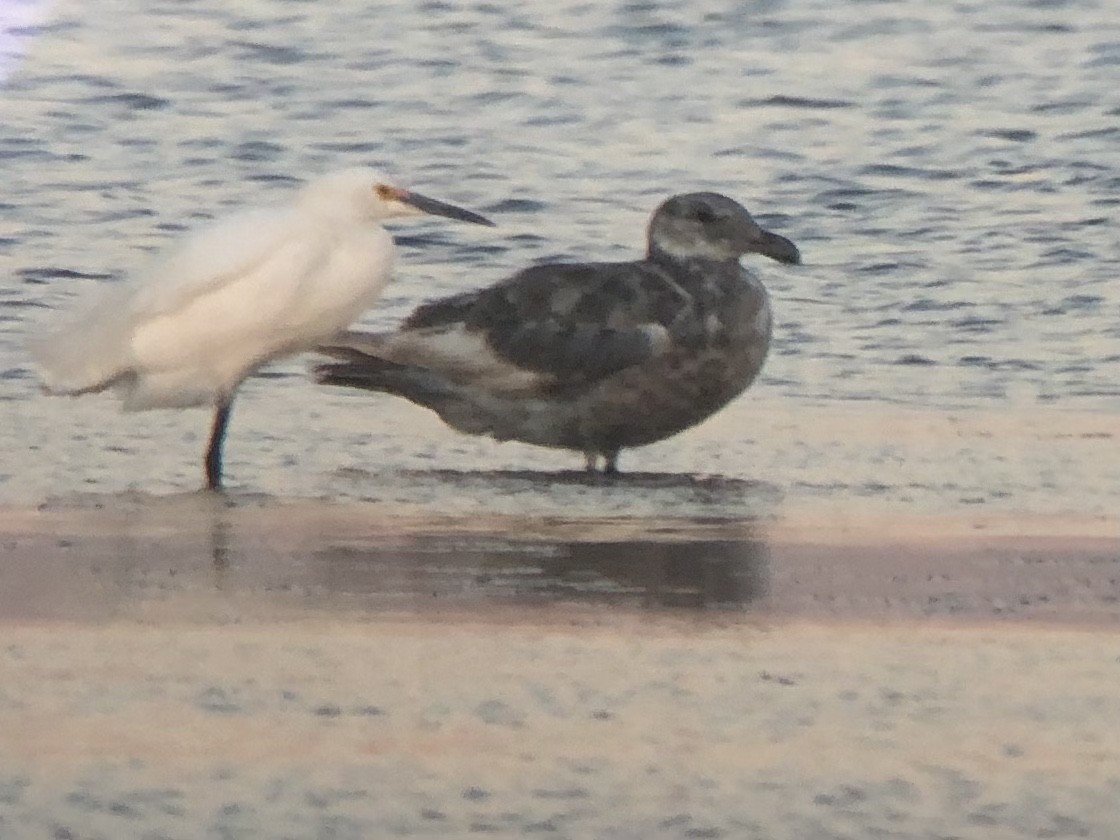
[(217, 438), (610, 465)]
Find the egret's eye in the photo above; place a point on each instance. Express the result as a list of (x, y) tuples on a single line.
[(385, 192), (705, 215)]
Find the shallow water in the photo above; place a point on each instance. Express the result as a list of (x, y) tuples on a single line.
[(949, 171)]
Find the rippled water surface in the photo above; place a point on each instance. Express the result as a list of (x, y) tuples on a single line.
[(949, 170)]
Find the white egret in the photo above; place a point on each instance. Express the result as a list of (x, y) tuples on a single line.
[(252, 287)]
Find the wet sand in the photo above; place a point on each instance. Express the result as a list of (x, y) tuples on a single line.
[(136, 556), (196, 667)]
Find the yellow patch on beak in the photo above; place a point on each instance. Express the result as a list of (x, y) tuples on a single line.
[(388, 193)]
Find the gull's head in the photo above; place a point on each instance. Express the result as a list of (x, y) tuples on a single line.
[(368, 195), (711, 226)]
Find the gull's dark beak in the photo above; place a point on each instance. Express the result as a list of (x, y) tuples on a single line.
[(777, 248), (440, 208)]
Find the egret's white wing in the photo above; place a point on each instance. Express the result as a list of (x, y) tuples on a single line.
[(304, 291), (307, 289), (214, 256), (89, 351)]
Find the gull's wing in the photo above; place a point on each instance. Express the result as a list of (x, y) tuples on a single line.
[(548, 327)]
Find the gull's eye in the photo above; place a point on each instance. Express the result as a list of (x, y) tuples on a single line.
[(705, 215)]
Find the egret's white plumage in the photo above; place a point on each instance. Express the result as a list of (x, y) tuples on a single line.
[(255, 286)]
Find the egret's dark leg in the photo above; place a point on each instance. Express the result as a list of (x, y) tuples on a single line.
[(590, 461), (217, 437)]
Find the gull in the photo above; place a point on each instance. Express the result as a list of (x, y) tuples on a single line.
[(255, 286), (591, 357)]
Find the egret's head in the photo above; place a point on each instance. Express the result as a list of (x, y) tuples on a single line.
[(366, 194), (713, 227)]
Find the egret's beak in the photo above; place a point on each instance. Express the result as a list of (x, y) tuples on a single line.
[(438, 208)]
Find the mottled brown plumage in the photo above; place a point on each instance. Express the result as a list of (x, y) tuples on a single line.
[(595, 357)]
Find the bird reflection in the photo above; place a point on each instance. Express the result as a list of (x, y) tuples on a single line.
[(220, 540), (217, 545), (663, 574), (691, 574)]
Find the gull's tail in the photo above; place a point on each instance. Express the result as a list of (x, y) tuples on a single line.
[(371, 373), (355, 346), (363, 366)]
